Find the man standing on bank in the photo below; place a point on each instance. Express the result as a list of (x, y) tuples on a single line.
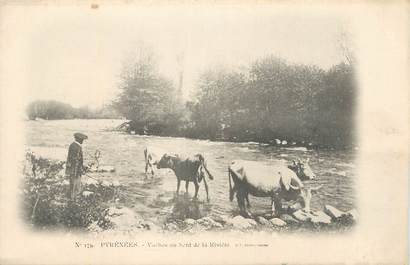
[(74, 166)]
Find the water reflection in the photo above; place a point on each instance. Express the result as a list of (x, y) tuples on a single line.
[(185, 207)]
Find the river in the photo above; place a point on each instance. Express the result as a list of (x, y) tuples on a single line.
[(153, 197)]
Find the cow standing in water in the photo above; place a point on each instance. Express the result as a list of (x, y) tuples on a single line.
[(276, 181), (189, 169)]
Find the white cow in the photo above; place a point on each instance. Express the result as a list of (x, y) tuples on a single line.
[(152, 155), (277, 181)]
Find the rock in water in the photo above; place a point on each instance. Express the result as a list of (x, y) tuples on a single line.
[(263, 221), (241, 222), (353, 214), (222, 219), (320, 217), (333, 212), (208, 222), (189, 221), (288, 219), (302, 216), (277, 222)]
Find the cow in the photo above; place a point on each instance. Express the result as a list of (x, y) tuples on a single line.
[(152, 156), (277, 181), (189, 169), (301, 169)]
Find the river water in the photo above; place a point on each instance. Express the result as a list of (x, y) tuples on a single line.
[(154, 197)]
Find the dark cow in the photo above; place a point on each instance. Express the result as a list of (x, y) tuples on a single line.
[(189, 169), (276, 181)]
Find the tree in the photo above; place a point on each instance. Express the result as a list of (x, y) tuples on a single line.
[(346, 46), (336, 106), (283, 97), (276, 99), (146, 97), (217, 98), (49, 110)]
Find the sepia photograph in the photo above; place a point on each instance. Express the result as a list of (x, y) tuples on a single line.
[(262, 129), (186, 121)]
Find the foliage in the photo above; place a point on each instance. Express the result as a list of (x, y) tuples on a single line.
[(45, 197), (49, 110), (271, 99), (146, 97), (275, 99), (55, 110)]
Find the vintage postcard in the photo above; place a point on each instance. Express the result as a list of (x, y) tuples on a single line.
[(202, 132)]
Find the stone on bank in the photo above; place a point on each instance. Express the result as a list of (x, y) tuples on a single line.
[(263, 221), (277, 222), (333, 212), (319, 217), (241, 222)]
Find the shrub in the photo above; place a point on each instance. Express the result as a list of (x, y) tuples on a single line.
[(45, 197)]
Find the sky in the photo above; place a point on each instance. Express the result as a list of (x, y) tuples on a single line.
[(74, 55)]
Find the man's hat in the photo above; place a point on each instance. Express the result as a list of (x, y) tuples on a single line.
[(80, 136)]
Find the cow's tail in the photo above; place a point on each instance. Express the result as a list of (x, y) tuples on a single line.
[(231, 190), (203, 164)]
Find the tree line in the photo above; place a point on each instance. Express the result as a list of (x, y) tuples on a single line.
[(266, 100), (55, 110), (271, 99)]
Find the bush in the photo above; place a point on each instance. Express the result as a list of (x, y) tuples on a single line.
[(45, 197)]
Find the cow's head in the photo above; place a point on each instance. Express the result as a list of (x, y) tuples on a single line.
[(165, 162), (294, 189), (302, 169)]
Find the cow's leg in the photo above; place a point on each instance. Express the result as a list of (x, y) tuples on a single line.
[(146, 170), (241, 196), (247, 200), (186, 186), (178, 184), (206, 189), (276, 206), (241, 205), (152, 171), (273, 207), (196, 189)]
